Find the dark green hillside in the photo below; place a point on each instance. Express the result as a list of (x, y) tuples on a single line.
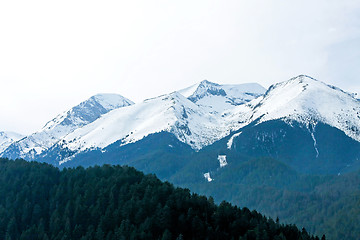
[(319, 149), (38, 201), (322, 204), (151, 155)]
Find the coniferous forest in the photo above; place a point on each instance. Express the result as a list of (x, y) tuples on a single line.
[(39, 201)]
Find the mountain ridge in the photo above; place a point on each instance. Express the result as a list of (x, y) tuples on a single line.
[(201, 115)]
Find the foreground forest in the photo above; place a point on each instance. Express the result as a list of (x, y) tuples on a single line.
[(111, 202)]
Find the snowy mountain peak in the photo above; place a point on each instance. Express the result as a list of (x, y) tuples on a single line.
[(89, 110), (65, 123), (301, 77), (206, 82), (112, 101), (7, 138), (301, 80), (206, 88), (307, 100), (218, 98)]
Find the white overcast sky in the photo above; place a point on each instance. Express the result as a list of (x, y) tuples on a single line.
[(55, 54)]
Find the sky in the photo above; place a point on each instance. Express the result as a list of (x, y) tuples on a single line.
[(56, 54)]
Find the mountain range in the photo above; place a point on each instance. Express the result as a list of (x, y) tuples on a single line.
[(279, 150), (299, 121)]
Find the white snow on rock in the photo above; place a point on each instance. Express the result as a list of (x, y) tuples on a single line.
[(208, 177), (231, 140), (7, 138), (222, 160)]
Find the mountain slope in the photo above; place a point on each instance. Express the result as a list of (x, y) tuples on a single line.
[(171, 113), (77, 117)]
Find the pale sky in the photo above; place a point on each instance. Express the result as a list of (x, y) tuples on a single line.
[(55, 54)]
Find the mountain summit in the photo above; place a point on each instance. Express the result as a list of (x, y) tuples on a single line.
[(219, 98), (307, 100)]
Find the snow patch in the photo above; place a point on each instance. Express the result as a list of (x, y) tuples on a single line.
[(208, 177), (222, 160), (314, 139), (231, 140), (65, 160)]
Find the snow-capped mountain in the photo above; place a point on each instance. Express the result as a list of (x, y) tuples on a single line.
[(7, 138), (170, 113), (219, 98), (77, 117), (245, 116), (188, 114), (308, 101), (309, 125), (193, 115)]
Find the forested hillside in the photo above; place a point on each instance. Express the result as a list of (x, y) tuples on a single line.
[(323, 204), (111, 202)]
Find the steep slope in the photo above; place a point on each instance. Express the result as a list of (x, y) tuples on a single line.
[(78, 116), (7, 138), (308, 101), (219, 98)]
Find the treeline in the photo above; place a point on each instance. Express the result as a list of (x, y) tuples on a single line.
[(38, 201)]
